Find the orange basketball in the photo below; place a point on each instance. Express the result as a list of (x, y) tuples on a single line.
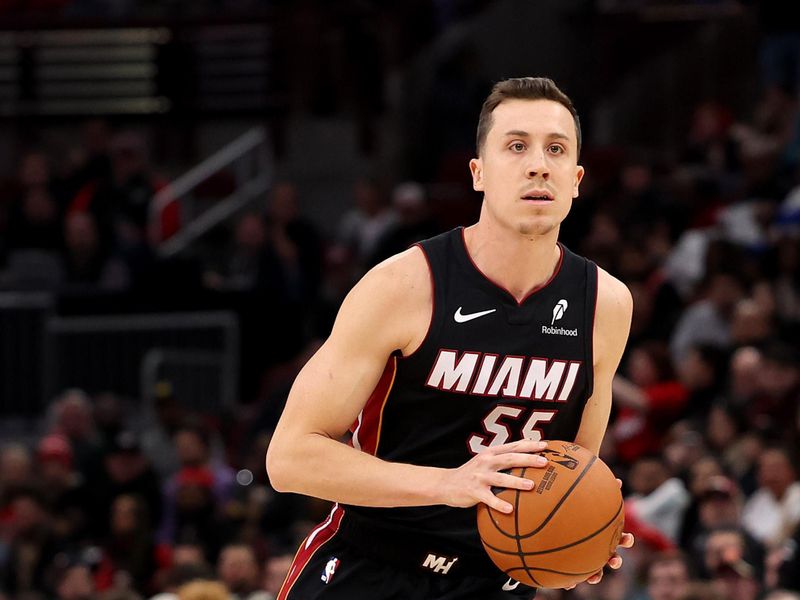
[(565, 528)]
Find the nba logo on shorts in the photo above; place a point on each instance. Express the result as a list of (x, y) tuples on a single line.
[(330, 569)]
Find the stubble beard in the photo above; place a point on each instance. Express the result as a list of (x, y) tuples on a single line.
[(535, 229)]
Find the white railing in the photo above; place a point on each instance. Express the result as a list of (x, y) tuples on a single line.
[(248, 157)]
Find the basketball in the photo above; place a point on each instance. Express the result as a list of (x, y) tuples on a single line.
[(565, 528)]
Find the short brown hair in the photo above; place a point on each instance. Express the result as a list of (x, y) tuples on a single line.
[(523, 88)]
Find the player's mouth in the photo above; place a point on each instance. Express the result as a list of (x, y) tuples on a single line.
[(537, 196)]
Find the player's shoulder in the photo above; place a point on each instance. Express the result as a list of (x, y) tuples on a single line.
[(613, 313), (391, 303), (402, 279), (614, 299)]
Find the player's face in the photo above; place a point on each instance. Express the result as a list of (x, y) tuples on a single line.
[(528, 169)]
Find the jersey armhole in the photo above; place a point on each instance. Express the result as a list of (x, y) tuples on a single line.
[(433, 306), (592, 290)]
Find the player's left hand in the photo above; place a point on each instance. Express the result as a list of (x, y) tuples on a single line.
[(615, 562)]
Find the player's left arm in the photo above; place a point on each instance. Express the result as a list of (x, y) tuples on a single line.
[(612, 324)]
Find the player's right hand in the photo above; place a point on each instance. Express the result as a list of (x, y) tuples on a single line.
[(473, 481)]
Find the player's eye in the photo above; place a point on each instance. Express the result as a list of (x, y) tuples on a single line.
[(556, 149), (517, 147)]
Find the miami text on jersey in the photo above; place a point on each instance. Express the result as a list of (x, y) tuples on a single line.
[(486, 374)]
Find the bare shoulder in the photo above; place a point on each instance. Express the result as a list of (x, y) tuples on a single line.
[(395, 298), (613, 316), (613, 297), (402, 280)]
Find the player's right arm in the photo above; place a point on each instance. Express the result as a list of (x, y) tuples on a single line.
[(387, 310)]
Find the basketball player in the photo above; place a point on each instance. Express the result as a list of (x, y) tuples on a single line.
[(449, 363)]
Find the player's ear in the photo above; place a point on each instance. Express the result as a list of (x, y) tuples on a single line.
[(476, 168), (579, 172)]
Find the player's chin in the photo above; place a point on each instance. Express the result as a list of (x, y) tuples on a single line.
[(537, 226)]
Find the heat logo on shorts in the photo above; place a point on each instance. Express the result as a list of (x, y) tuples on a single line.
[(329, 571)]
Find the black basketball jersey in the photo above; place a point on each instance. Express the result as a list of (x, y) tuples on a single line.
[(491, 370)]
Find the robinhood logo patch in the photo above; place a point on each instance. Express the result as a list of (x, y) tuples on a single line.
[(558, 312)]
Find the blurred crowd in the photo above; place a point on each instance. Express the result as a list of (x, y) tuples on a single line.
[(77, 217), (109, 500), (112, 500)]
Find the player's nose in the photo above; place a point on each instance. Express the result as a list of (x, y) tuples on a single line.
[(537, 166)]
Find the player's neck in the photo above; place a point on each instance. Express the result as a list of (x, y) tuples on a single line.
[(517, 262)]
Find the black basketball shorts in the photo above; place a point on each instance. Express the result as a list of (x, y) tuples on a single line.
[(329, 567)]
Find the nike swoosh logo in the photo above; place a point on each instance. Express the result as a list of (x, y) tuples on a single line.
[(462, 318), (508, 586)]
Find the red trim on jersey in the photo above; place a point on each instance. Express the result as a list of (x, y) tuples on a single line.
[(367, 429), (315, 540), (497, 285), (594, 316), (433, 303)]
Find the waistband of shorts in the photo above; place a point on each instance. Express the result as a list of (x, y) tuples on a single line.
[(411, 550)]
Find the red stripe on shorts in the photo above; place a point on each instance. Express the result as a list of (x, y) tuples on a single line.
[(315, 540)]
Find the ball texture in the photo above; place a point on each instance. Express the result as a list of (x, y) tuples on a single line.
[(565, 528)]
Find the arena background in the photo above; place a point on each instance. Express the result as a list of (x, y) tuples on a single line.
[(188, 189)]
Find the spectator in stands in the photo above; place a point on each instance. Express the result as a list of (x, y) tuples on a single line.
[(698, 476), (86, 263), (196, 497), (129, 547), (657, 497), (745, 366), (159, 430), (683, 447), (782, 595), (728, 437), (31, 547), (414, 221), (763, 140), (189, 554), (275, 570), (613, 586), (121, 203), (788, 563), (241, 269), (293, 259), (787, 282), (370, 218), (708, 321), (109, 416), (71, 416), (16, 470), (668, 575), (197, 514), (203, 590), (702, 371), (709, 144), (125, 471), (91, 160), (776, 402), (723, 428), (238, 570), (75, 582), (188, 563), (773, 511), (649, 398), (751, 324), (727, 566), (62, 487), (35, 212), (720, 508)]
